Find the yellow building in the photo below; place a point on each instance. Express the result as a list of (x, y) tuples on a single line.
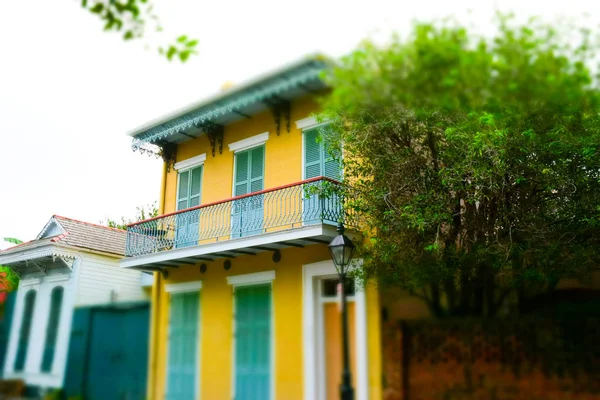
[(245, 297)]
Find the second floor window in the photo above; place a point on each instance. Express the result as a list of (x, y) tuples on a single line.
[(189, 188), (317, 160)]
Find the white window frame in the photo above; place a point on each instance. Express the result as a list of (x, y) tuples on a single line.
[(190, 163), (177, 288), (313, 386), (189, 168), (255, 278), (248, 143)]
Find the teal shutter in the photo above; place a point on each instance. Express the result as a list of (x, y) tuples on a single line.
[(25, 330), (182, 374), (247, 216), (241, 173), (318, 162), (183, 194), (56, 299), (188, 195), (195, 186), (312, 154), (253, 342)]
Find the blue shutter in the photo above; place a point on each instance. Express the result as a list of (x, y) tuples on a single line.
[(182, 372), (25, 330), (195, 186), (312, 154), (253, 342), (313, 167), (318, 162), (183, 193), (242, 160), (56, 299), (247, 216), (188, 224)]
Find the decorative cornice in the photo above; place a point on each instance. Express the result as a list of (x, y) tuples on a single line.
[(264, 88), (250, 142), (192, 286), (251, 279), (190, 162), (309, 123)]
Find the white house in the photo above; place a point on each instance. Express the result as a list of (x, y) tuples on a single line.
[(70, 264)]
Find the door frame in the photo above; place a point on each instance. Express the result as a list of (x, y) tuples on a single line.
[(311, 331)]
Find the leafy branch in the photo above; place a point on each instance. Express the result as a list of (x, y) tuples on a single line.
[(132, 19)]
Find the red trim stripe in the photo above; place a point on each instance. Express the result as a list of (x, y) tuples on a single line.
[(318, 178)]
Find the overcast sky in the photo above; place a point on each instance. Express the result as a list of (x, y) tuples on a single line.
[(69, 92)]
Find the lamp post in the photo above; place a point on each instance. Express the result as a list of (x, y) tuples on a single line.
[(341, 249)]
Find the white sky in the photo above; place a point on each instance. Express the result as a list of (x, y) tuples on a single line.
[(69, 92)]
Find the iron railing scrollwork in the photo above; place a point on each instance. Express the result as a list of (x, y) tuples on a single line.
[(313, 201)]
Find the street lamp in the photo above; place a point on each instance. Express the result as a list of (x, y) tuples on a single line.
[(341, 249)]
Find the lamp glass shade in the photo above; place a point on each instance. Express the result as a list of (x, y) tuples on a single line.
[(341, 249)]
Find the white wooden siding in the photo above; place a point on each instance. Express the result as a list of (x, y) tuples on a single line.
[(102, 281)]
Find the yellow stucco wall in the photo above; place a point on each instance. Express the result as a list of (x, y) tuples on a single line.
[(283, 165)]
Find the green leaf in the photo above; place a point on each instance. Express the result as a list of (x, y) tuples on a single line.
[(184, 55), (12, 240), (128, 35), (98, 8), (182, 39), (192, 43), (171, 52)]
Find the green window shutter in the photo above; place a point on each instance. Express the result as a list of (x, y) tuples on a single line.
[(195, 186), (241, 173), (257, 157), (332, 168), (253, 342), (25, 330), (56, 299), (183, 192), (312, 154), (182, 373)]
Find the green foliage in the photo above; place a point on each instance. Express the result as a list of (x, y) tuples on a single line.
[(132, 19), (183, 48), (475, 162), (142, 213), (9, 280), (13, 240)]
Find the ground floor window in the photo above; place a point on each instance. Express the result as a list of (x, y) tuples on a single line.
[(25, 330), (253, 342), (182, 368)]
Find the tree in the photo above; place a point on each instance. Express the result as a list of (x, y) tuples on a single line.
[(132, 19), (142, 213), (474, 162), (9, 280)]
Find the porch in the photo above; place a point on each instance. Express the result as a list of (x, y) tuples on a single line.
[(294, 215)]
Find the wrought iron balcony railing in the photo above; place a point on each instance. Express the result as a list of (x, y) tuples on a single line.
[(310, 202)]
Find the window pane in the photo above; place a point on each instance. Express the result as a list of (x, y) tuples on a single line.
[(329, 287)]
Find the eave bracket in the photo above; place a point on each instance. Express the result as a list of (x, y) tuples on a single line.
[(214, 133), (280, 107)]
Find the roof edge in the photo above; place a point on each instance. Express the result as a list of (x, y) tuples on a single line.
[(316, 57)]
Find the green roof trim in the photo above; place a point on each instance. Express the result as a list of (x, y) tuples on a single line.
[(272, 85)]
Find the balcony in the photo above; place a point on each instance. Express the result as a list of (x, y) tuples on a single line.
[(294, 215)]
